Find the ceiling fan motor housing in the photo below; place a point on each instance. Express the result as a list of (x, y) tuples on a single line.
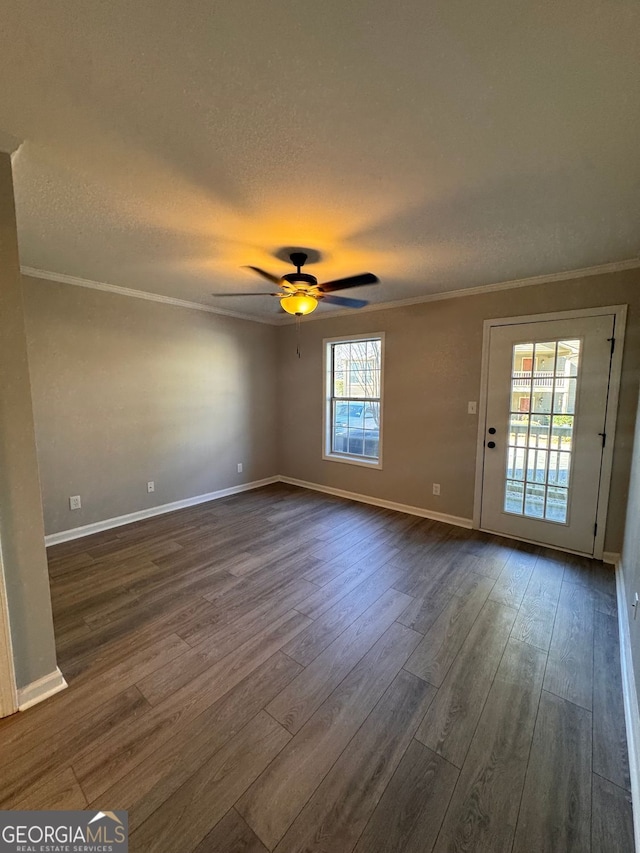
[(300, 278)]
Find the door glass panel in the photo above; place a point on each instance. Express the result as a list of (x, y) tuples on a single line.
[(538, 470), (513, 497), (518, 430), (544, 379), (554, 466), (541, 400), (534, 500), (556, 509), (521, 400), (565, 397), (559, 465), (515, 466), (522, 360), (562, 432)]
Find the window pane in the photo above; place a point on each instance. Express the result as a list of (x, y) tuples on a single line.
[(562, 432), (534, 500), (541, 400), (340, 356), (544, 363), (559, 466), (565, 398), (538, 435), (569, 357), (520, 398), (513, 497), (557, 500), (372, 416), (554, 467), (355, 415), (339, 384), (538, 466), (518, 428), (372, 383), (522, 359), (372, 446), (515, 463), (355, 384), (340, 421)]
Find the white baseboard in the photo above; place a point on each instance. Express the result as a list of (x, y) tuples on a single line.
[(457, 520), (630, 696), (129, 518), (41, 689)]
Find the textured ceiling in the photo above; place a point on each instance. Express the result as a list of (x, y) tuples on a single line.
[(441, 145)]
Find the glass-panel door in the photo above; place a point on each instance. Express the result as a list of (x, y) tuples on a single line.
[(546, 408)]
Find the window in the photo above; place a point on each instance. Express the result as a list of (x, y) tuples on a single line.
[(354, 400)]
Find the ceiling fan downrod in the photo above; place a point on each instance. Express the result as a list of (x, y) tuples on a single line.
[(298, 259)]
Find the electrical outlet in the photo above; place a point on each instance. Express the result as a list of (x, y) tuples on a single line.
[(436, 488), (151, 486), (472, 408), (75, 502), (239, 467)]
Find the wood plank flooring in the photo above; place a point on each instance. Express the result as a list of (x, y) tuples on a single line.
[(286, 671)]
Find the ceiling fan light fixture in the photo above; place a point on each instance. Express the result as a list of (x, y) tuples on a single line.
[(299, 292), (299, 304)]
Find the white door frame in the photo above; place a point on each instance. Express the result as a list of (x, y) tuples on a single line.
[(8, 688), (620, 312)]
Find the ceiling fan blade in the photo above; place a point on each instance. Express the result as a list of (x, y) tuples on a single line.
[(352, 281), (256, 293), (269, 276), (345, 301)]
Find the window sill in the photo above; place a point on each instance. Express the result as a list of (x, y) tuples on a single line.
[(376, 464)]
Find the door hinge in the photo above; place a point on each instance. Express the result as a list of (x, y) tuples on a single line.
[(612, 341), (603, 435), (595, 529)]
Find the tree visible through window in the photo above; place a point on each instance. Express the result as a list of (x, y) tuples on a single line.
[(354, 379)]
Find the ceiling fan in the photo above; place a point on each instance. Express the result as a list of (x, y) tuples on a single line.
[(300, 292)]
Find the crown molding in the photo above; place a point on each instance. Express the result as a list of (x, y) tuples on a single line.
[(569, 275), (139, 294)]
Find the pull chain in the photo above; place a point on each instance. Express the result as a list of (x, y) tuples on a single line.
[(298, 335)]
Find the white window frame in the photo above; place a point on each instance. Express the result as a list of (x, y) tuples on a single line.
[(327, 454)]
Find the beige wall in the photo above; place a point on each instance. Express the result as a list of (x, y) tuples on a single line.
[(21, 528), (432, 369), (127, 391)]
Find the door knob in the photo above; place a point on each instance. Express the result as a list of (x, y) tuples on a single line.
[(492, 430), (491, 444)]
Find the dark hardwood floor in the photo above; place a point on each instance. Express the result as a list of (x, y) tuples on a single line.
[(282, 670)]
